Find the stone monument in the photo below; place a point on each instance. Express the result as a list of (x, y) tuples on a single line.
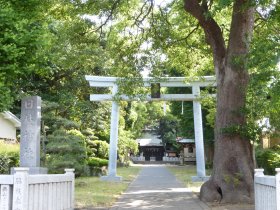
[(30, 135)]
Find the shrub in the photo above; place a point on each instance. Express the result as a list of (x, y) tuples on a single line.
[(268, 159), (97, 162), (9, 157), (66, 149), (97, 166)]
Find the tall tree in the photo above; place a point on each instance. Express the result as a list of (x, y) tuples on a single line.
[(24, 41), (232, 177)]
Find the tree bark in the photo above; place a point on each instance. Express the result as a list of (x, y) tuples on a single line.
[(232, 177)]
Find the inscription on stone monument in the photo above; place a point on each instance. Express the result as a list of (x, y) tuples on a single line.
[(30, 134)]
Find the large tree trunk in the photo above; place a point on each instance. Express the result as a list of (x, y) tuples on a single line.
[(232, 177)]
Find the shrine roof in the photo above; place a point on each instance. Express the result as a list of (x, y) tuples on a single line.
[(149, 139), (184, 141)]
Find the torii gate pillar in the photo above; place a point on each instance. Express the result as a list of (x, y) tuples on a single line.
[(199, 145), (112, 166)]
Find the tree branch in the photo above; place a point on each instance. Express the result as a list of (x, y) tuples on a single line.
[(211, 29), (113, 8), (138, 21), (186, 37)]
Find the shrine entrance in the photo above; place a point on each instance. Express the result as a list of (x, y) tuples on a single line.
[(206, 81), (152, 153)]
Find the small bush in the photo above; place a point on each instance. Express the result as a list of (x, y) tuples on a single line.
[(97, 162), (97, 166), (268, 159), (9, 157)]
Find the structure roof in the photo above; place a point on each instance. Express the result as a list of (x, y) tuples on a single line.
[(149, 139), (12, 118), (183, 141)]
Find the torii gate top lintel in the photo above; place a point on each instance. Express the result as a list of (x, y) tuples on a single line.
[(101, 81), (202, 81)]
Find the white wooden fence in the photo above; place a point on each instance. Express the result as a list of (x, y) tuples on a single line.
[(22, 191), (267, 190)]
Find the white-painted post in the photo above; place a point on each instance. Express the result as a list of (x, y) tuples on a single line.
[(259, 172), (277, 177), (6, 197), (70, 172), (198, 132), (258, 192), (112, 166), (20, 191)]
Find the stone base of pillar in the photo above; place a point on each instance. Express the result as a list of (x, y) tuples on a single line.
[(34, 170), (111, 178), (200, 178)]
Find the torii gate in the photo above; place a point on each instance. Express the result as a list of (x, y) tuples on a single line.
[(99, 81)]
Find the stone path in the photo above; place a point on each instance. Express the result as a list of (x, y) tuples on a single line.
[(156, 188)]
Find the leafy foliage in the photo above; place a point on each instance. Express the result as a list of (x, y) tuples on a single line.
[(168, 131), (98, 148), (97, 162), (9, 157), (24, 39), (96, 166), (268, 159), (126, 146)]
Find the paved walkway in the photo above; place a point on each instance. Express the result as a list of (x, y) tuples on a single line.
[(156, 188)]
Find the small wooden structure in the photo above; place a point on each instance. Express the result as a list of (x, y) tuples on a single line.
[(188, 149)]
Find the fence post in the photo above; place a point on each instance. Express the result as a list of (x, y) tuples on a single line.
[(258, 194), (20, 191), (71, 173), (259, 172), (277, 178)]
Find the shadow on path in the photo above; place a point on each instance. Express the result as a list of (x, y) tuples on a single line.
[(156, 188)]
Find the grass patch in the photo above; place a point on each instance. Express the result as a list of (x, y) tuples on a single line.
[(91, 192), (184, 174)]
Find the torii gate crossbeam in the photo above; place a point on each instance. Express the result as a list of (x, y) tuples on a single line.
[(98, 81)]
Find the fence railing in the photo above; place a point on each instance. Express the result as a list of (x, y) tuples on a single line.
[(22, 191), (267, 190)]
